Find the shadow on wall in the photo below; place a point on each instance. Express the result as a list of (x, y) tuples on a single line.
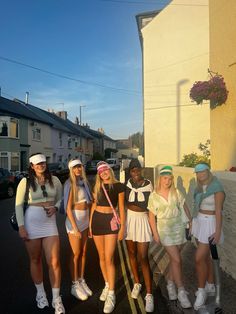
[(188, 195)]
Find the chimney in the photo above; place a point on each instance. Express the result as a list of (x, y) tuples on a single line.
[(26, 98), (62, 114)]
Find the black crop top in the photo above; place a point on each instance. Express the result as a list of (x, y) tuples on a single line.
[(113, 193), (146, 194)]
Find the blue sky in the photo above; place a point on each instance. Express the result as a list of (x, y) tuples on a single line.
[(95, 41)]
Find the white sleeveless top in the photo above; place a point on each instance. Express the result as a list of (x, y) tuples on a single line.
[(208, 203)]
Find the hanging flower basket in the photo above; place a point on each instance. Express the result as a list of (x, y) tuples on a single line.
[(213, 90)]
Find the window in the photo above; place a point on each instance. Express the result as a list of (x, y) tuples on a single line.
[(69, 141), (10, 160), (36, 132), (9, 127), (60, 139)]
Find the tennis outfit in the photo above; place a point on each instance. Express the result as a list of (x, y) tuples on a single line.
[(101, 221), (203, 226), (137, 223), (81, 216), (36, 222), (170, 226)]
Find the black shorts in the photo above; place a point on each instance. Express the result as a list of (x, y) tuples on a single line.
[(101, 224)]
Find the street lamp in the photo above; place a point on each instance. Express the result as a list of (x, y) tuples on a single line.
[(80, 114)]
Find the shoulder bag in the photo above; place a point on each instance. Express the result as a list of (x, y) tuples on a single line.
[(115, 221)]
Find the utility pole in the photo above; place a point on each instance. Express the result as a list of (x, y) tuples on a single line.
[(80, 123)]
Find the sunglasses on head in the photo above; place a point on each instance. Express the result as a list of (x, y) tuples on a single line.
[(43, 188)]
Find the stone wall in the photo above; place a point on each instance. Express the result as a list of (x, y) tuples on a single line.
[(185, 181)]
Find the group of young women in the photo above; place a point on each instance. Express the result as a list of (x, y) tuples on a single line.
[(144, 214)]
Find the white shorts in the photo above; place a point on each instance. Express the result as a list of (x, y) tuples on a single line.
[(137, 227), (203, 227), (81, 219), (38, 224)]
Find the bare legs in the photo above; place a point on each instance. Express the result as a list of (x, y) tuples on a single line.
[(175, 268), (51, 247), (140, 250), (204, 265), (106, 245), (79, 247)]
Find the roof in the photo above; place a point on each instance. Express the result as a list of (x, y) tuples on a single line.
[(19, 109)]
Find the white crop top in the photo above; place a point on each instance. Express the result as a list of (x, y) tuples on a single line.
[(81, 195), (208, 203)]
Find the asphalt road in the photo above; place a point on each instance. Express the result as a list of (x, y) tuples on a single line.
[(17, 292)]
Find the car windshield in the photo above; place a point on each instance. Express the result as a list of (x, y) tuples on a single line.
[(110, 161)]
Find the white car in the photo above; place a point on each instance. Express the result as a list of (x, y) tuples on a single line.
[(113, 163)]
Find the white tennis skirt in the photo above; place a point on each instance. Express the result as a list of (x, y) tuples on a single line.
[(81, 219), (203, 227), (38, 224), (137, 227)]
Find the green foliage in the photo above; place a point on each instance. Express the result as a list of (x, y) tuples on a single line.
[(204, 148), (191, 160)]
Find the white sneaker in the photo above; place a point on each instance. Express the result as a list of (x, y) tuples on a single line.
[(42, 301), (78, 291), (171, 291), (149, 307), (200, 300), (58, 306), (136, 290), (183, 299), (109, 303), (85, 287), (104, 294), (210, 289)]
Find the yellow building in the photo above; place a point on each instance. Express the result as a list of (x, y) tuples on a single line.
[(223, 61), (175, 47)]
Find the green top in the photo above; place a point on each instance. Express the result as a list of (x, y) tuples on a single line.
[(54, 195), (166, 209)]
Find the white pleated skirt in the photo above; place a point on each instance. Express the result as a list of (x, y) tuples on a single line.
[(203, 227), (38, 224), (137, 227), (81, 219)]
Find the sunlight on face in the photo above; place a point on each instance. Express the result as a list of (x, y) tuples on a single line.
[(105, 175), (166, 181), (39, 168)]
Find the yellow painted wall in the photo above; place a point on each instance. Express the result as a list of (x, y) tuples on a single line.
[(175, 55), (223, 60)]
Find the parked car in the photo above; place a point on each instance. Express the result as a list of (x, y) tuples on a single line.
[(114, 163), (59, 170), (8, 183), (91, 166)]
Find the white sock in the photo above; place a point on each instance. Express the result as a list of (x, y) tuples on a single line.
[(106, 284), (180, 288), (40, 288), (210, 284), (55, 293), (111, 292), (170, 282), (201, 289)]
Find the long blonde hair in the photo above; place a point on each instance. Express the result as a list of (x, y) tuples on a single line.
[(73, 182), (98, 184)]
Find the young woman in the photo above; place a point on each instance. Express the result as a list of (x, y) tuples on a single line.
[(104, 232), (77, 198), (38, 229), (139, 233), (166, 203), (207, 225)]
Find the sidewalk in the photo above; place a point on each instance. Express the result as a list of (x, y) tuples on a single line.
[(159, 262)]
